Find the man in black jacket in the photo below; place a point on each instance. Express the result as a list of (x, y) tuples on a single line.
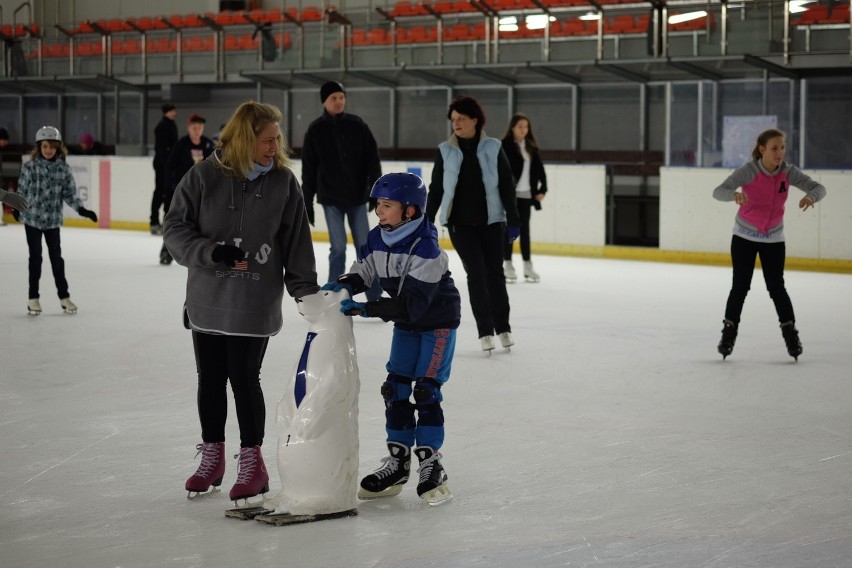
[(190, 150), (165, 137), (340, 163)]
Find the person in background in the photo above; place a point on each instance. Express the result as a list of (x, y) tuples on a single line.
[(473, 190), (759, 231), (165, 137), (4, 141), (46, 182), (89, 146), (340, 163), (190, 150), (238, 224), (521, 149), (425, 307)]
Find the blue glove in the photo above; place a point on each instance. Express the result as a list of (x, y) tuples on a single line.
[(335, 286), (512, 233), (353, 308)]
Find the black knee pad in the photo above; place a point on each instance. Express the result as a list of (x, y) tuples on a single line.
[(395, 388), (427, 391)]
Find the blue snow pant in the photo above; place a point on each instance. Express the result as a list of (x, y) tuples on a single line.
[(424, 358)]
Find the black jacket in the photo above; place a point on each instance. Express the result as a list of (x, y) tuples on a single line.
[(165, 137), (538, 180), (182, 159), (340, 161)]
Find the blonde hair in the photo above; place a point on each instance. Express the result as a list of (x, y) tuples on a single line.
[(239, 135), (763, 139), (61, 150)]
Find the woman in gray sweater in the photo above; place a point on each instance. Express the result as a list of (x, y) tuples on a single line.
[(238, 223)]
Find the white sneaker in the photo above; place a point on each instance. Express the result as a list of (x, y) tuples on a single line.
[(33, 307), (529, 274), (68, 306), (509, 272), (487, 342), (506, 339)]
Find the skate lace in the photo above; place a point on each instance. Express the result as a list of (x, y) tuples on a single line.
[(427, 465), (247, 459), (209, 457), (389, 466)]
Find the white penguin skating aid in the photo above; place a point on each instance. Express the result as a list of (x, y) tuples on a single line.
[(317, 422)]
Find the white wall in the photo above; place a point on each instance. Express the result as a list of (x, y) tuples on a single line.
[(691, 220), (573, 213)]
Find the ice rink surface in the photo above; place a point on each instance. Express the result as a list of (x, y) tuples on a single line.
[(611, 435)]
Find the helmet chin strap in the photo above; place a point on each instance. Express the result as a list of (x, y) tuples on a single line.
[(388, 227)]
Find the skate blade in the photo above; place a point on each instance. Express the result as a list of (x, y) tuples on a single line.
[(282, 519), (193, 495), (391, 491), (69, 312), (437, 496), (33, 313), (532, 280), (244, 503)]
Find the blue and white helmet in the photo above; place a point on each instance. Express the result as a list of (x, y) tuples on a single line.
[(406, 188)]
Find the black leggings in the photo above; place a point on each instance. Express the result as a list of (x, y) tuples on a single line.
[(222, 357), (480, 248), (54, 251), (772, 257), (524, 210)]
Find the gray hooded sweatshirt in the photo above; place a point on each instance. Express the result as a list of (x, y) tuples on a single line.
[(265, 218)]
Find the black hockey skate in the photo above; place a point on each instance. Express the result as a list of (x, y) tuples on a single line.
[(729, 337), (388, 480), (433, 479), (791, 338), (165, 256)]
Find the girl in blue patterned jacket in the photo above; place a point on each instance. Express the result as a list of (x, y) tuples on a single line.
[(46, 181), (402, 253)]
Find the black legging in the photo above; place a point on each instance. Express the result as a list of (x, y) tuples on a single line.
[(54, 251), (524, 210), (481, 251), (772, 257), (222, 357)]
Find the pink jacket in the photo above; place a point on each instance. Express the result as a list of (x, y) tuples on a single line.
[(762, 217)]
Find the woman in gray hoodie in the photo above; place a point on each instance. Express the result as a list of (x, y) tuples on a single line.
[(238, 223)]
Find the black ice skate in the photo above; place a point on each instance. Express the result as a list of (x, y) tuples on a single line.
[(165, 256), (791, 338), (388, 480), (729, 337), (433, 479)]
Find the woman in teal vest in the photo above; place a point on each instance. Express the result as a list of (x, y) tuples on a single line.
[(473, 194)]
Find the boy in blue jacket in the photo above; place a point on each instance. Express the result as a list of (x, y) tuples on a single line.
[(402, 252)]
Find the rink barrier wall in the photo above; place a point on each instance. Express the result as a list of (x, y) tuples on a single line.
[(694, 228)]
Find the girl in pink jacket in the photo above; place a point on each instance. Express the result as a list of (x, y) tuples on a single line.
[(759, 230)]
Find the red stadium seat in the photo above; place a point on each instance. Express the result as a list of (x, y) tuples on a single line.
[(311, 14)]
